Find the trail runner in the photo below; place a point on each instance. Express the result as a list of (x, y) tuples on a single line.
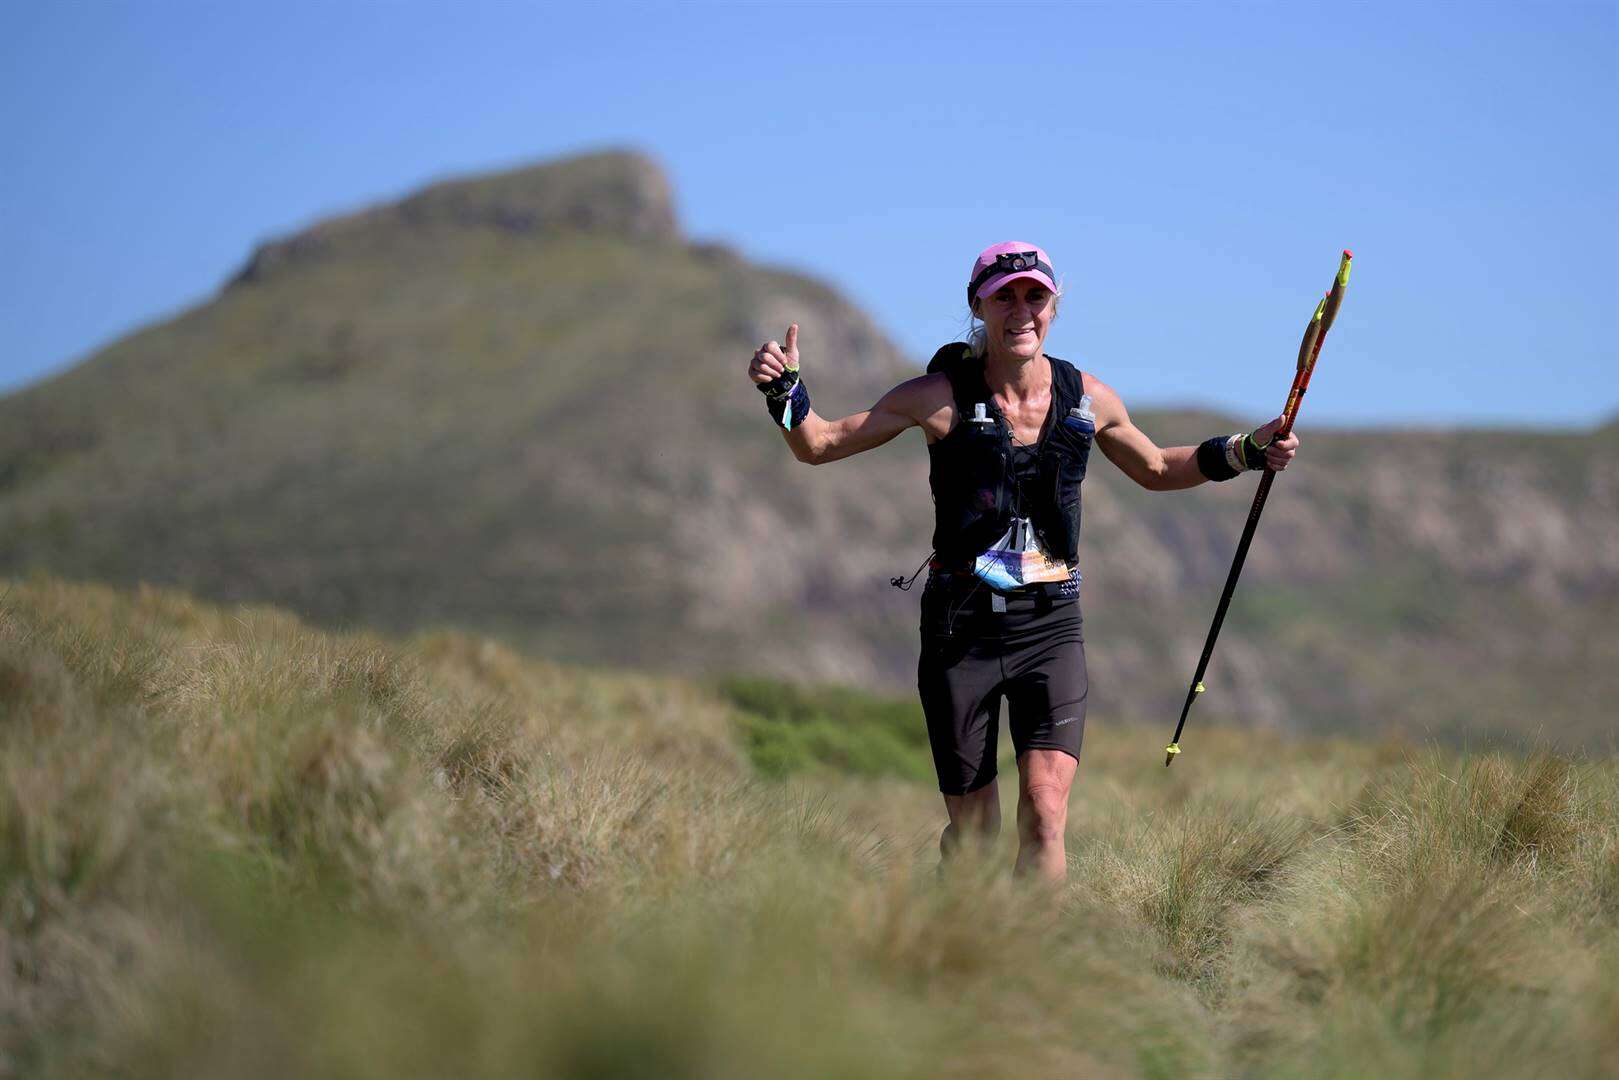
[(1009, 432)]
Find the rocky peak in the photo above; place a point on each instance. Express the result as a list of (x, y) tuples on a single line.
[(622, 193)]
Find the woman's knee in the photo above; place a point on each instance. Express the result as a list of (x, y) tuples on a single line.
[(1045, 812)]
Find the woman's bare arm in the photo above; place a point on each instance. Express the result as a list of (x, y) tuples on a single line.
[(817, 440), (1163, 468), (906, 405)]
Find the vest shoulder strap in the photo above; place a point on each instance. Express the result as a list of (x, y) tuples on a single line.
[(1068, 382), (949, 355), (965, 372)]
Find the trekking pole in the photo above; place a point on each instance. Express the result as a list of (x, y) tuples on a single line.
[(1310, 348)]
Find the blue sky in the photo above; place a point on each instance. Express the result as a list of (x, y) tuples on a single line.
[(1193, 169)]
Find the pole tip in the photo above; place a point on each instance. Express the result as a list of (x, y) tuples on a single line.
[(1348, 254)]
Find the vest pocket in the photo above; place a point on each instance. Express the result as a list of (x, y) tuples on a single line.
[(971, 497), (1068, 513), (1073, 452)]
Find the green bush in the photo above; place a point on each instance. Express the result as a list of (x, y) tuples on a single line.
[(788, 728)]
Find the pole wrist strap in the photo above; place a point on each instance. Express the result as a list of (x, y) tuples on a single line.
[(1253, 452)]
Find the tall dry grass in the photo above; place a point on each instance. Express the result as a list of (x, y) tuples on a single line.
[(233, 845)]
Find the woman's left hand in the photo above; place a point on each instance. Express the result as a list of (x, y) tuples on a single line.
[(1279, 451)]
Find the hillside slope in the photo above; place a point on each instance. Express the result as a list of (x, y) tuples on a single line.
[(516, 402)]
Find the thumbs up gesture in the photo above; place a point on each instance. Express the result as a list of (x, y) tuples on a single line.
[(772, 363)]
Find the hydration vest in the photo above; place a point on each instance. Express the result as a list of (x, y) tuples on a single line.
[(970, 469)]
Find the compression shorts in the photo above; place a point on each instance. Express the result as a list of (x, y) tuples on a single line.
[(1032, 655)]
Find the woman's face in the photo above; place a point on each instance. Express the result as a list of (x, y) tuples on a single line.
[(1016, 317)]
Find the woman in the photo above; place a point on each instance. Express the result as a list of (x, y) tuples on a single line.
[(1009, 432)]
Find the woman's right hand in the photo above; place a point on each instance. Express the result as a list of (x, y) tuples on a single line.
[(770, 361)]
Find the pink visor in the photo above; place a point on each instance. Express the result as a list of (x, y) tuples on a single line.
[(1000, 263)]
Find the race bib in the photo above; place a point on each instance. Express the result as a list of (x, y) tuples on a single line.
[(1017, 559)]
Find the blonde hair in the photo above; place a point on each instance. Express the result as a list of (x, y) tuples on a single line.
[(978, 339)]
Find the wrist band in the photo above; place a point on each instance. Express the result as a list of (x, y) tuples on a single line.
[(787, 400), (1233, 453), (1212, 461), (1224, 456)]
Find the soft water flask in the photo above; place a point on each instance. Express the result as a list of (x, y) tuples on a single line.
[(1082, 417)]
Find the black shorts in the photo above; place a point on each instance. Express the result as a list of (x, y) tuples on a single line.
[(1032, 654)]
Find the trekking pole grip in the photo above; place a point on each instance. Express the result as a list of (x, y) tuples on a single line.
[(1314, 334)]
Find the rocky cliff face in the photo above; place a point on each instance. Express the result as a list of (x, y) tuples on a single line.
[(517, 402)]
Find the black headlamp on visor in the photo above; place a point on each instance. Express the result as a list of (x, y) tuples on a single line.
[(1010, 262)]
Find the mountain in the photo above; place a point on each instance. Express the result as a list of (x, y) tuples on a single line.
[(517, 402)]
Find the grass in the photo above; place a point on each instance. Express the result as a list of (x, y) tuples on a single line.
[(233, 844)]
